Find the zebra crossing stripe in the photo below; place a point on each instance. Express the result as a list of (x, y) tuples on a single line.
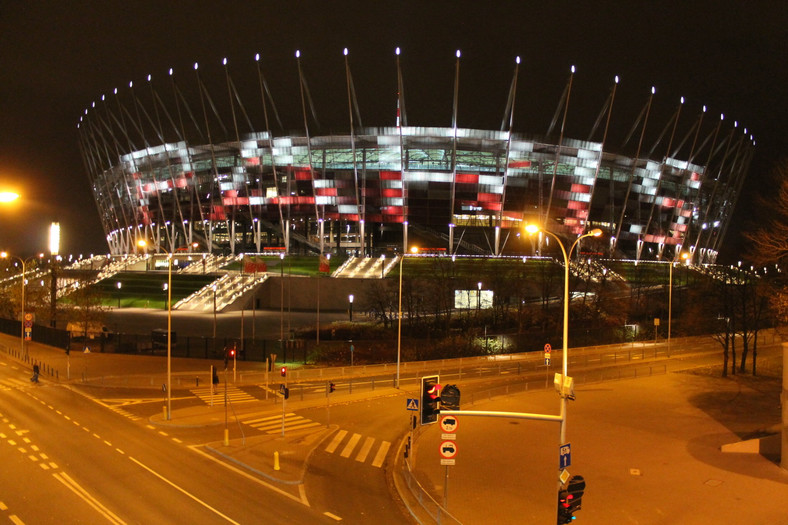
[(381, 455), (365, 448), (336, 441), (351, 444)]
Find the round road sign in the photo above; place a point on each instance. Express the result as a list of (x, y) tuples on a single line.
[(547, 348), (448, 449), (448, 424)]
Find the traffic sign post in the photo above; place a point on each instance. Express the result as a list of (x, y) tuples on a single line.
[(448, 451), (413, 404)]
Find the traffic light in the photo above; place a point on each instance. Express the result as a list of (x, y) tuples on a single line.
[(450, 397), (283, 371), (564, 512), (232, 352), (287, 393), (570, 499), (430, 399), (331, 387), (576, 486)]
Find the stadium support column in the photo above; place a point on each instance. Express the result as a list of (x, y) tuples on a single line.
[(405, 237), (451, 238), (497, 240)]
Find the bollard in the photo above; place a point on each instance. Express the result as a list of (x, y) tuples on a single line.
[(164, 412), (226, 437), (276, 460)]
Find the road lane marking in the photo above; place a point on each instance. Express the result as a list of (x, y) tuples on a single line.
[(184, 491), (336, 441), (332, 516), (246, 474), (75, 487), (351, 444), (365, 448), (381, 455)]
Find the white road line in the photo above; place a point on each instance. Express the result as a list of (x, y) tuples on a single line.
[(362, 454), (380, 457), (183, 491), (72, 485), (351, 444), (336, 441), (245, 474)]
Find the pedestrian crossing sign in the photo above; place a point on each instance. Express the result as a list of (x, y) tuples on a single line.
[(413, 404)]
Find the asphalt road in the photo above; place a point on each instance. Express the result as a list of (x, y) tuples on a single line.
[(101, 466)]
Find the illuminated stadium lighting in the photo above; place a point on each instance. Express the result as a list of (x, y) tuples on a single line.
[(203, 182)]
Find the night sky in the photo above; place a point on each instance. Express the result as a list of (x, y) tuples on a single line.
[(57, 57)]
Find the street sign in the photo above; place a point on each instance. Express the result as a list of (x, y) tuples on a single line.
[(282, 388), (448, 451), (563, 476), (547, 360), (28, 316), (547, 348), (413, 404), (564, 456), (449, 424)]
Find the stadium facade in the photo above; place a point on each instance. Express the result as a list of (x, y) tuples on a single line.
[(159, 172)]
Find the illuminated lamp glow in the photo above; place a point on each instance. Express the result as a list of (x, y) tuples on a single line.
[(458, 53), (616, 79), (257, 57), (170, 71), (396, 51), (196, 65), (344, 51), (298, 53), (573, 69), (224, 61), (8, 196), (54, 238)]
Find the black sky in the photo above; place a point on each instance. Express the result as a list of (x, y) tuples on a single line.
[(57, 57)]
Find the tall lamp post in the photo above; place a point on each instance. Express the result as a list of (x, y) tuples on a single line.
[(414, 250), (23, 262), (350, 307), (682, 256), (532, 229)]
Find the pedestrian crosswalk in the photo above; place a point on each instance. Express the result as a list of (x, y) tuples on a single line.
[(350, 451), (234, 394), (273, 424)]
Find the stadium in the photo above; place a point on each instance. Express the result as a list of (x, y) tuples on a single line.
[(171, 165)]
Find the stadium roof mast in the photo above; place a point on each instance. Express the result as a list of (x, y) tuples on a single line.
[(675, 121), (565, 99), (454, 151), (645, 111), (352, 103), (232, 93), (263, 92), (608, 106), (402, 121), (304, 89), (508, 115)]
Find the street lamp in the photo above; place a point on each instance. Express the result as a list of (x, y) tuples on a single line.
[(350, 309), (414, 250), (683, 256), (532, 229), (119, 284), (478, 297), (6, 255), (8, 196)]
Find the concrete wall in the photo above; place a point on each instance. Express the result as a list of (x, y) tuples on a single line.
[(301, 293)]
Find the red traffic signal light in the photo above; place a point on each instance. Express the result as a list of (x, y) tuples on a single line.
[(331, 387), (232, 352), (283, 371)]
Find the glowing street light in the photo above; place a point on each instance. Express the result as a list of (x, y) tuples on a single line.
[(414, 250), (8, 196), (683, 256), (24, 262), (532, 229)]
